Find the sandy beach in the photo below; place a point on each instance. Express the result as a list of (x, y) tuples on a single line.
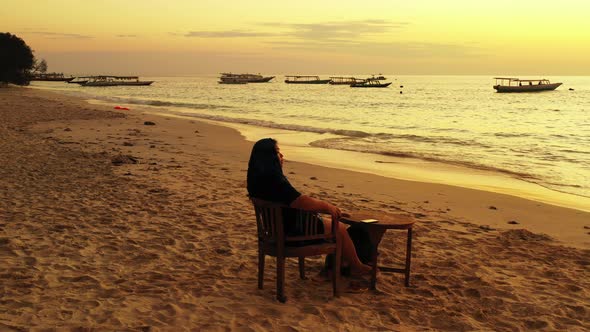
[(107, 223)]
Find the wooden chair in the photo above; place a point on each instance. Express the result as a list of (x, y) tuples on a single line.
[(273, 241)]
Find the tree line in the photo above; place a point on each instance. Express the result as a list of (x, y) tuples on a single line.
[(17, 61)]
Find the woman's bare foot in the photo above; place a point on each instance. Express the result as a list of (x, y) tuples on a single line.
[(360, 270)]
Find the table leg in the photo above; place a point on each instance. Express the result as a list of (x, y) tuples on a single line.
[(408, 257), (375, 235), (374, 270), (375, 240)]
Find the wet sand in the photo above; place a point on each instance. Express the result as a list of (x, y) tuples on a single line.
[(112, 224)]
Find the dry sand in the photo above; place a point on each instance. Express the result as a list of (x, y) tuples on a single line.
[(168, 243)]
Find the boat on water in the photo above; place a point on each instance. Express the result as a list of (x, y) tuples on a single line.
[(301, 79), (510, 84), (53, 77), (370, 83), (343, 80), (232, 80), (229, 78), (115, 81), (79, 80)]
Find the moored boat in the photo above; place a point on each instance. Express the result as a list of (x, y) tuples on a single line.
[(304, 79), (53, 77), (510, 84), (247, 78), (342, 80), (370, 83), (115, 81), (232, 80), (80, 79)]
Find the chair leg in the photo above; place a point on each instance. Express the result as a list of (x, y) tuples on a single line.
[(281, 279), (302, 267), (408, 257), (336, 269), (260, 268)]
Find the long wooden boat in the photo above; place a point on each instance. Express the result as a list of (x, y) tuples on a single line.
[(301, 79), (79, 80), (53, 77), (342, 80), (510, 84), (115, 81), (248, 78), (232, 80), (370, 83)]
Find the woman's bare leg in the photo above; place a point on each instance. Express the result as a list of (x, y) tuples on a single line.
[(348, 249)]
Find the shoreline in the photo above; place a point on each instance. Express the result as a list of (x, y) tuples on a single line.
[(463, 203), (295, 147), (413, 169), (168, 239), (407, 168), (297, 144)]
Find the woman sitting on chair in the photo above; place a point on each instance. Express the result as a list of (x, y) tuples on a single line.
[(267, 181)]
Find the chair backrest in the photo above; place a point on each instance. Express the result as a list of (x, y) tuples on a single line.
[(270, 223)]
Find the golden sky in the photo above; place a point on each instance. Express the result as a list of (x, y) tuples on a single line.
[(184, 37)]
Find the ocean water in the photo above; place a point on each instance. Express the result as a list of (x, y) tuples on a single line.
[(542, 137)]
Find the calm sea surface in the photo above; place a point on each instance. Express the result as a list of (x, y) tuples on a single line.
[(538, 137)]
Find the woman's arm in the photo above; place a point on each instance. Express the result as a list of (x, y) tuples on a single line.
[(307, 203)]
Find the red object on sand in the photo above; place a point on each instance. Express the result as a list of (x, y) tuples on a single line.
[(125, 108), (117, 107)]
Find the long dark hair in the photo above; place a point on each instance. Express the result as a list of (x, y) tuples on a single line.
[(264, 162)]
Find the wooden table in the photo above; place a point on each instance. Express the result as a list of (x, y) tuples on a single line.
[(376, 231)]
